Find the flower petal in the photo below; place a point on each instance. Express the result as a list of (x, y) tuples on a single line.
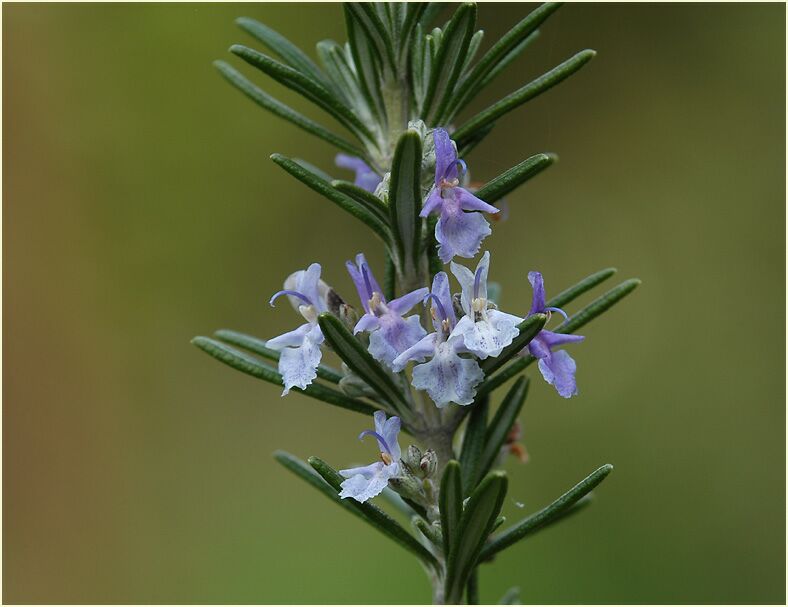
[(298, 365), (364, 486), (466, 279), (403, 304), (488, 337), (420, 351), (537, 282), (390, 434), (445, 156), (442, 292), (368, 322), (433, 203), (448, 378), (366, 178), (558, 370), (394, 335), (460, 234), (469, 202), (291, 339)]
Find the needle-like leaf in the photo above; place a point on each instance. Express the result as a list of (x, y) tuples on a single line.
[(520, 96), (516, 176), (558, 508), (355, 356), (405, 200), (499, 427), (343, 201), (589, 282), (251, 366), (450, 504), (374, 515), (278, 108), (478, 519), (529, 328)]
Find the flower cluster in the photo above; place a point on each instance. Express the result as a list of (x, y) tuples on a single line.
[(447, 358)]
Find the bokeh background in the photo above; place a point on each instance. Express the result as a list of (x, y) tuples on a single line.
[(140, 209)]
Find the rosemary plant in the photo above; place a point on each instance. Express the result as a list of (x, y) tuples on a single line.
[(416, 357)]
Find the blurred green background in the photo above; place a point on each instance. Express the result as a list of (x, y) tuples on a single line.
[(140, 209)]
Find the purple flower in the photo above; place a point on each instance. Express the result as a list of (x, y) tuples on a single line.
[(486, 331), (447, 377), (300, 349), (390, 333), (366, 482), (558, 368), (366, 178), (458, 233)]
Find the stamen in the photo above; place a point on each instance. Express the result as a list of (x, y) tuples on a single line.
[(459, 162), (559, 310), (367, 283), (476, 282), (300, 296), (439, 306), (381, 440)]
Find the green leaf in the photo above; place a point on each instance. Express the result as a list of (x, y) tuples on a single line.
[(477, 521), (450, 504), (507, 60), (473, 587), (278, 108), (473, 140), (374, 515), (343, 201), (356, 357), (431, 532), (258, 346), (405, 199), (546, 515), (516, 176), (598, 306), (309, 88), (501, 51), (375, 31), (414, 12), (281, 46), (448, 63), (499, 427), (589, 282), (251, 366), (511, 597), (520, 96), (473, 48), (366, 199), (431, 13), (394, 500), (342, 77), (389, 279), (473, 440), (366, 63), (529, 328)]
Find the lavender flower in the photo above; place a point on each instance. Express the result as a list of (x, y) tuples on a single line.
[(300, 349), (366, 178), (458, 233), (390, 333), (558, 368), (486, 331), (447, 377), (366, 482)]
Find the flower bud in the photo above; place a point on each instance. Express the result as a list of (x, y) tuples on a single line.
[(348, 315), (429, 463), (412, 459), (407, 486)]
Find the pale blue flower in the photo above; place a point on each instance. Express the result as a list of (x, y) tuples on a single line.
[(485, 330), (557, 368), (366, 482), (446, 377), (366, 178), (300, 349), (390, 333), (458, 232)]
